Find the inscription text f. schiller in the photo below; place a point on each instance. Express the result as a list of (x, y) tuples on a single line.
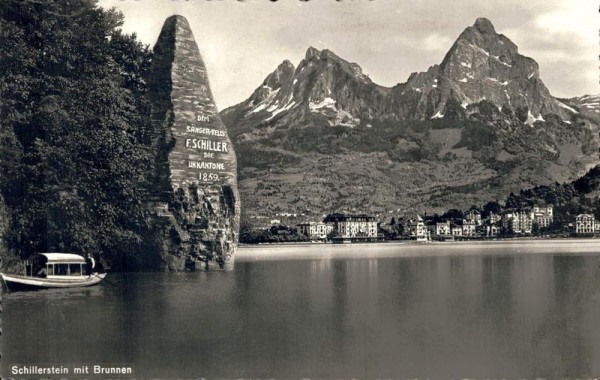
[(208, 146), (203, 144)]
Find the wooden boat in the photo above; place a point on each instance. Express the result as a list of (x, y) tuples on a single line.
[(54, 270)]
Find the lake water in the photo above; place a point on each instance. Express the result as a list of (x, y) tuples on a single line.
[(519, 309)]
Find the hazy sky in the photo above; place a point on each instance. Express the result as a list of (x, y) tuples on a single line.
[(243, 41)]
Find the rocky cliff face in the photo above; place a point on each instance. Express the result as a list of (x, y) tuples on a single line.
[(322, 137), (482, 65), (195, 180), (588, 105), (323, 86)]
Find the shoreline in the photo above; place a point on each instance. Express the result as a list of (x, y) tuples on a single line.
[(414, 242), (506, 247)]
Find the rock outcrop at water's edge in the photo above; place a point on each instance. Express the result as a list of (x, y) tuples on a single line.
[(195, 192)]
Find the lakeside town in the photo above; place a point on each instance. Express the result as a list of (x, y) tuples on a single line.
[(474, 224)]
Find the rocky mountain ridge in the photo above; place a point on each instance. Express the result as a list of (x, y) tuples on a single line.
[(480, 123), (481, 65)]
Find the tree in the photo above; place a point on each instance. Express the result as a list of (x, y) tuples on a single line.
[(453, 214), (492, 207), (512, 202), (76, 123)]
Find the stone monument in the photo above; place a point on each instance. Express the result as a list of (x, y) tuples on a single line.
[(195, 191)]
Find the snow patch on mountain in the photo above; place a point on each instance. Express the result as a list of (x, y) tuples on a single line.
[(325, 103), (530, 119), (438, 115), (260, 107), (273, 107), (477, 48), (563, 105), (497, 58), (266, 102), (275, 113)]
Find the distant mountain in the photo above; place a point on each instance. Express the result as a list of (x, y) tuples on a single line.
[(323, 86), (481, 65), (323, 137), (588, 105)]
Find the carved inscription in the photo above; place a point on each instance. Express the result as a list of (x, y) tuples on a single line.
[(205, 147)]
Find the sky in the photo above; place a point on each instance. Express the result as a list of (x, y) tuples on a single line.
[(242, 42)]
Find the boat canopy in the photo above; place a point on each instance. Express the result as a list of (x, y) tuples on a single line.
[(63, 258)]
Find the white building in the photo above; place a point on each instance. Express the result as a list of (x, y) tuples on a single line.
[(543, 215), (490, 230), (314, 230), (469, 227), (443, 229), (456, 230), (349, 226), (474, 216), (417, 229), (519, 222), (585, 224), (494, 218)]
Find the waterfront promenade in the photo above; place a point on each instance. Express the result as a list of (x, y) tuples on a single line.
[(415, 249)]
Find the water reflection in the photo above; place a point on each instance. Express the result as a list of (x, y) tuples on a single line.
[(471, 316)]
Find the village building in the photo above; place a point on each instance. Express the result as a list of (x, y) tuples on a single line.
[(456, 230), (439, 230), (474, 216), (430, 226), (494, 218), (489, 230), (585, 224), (315, 230), (469, 227), (442, 229), (519, 222), (543, 216), (351, 226), (417, 229)]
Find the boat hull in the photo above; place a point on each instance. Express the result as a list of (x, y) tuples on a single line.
[(16, 282)]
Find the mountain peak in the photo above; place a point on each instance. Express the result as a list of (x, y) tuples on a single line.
[(483, 64), (485, 26), (281, 75), (311, 53), (286, 65), (326, 53)]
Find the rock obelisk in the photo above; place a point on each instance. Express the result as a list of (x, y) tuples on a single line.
[(195, 177)]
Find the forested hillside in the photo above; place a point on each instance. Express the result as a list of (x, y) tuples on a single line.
[(74, 152), (580, 196)]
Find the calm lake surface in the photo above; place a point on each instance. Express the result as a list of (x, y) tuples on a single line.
[(518, 309)]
